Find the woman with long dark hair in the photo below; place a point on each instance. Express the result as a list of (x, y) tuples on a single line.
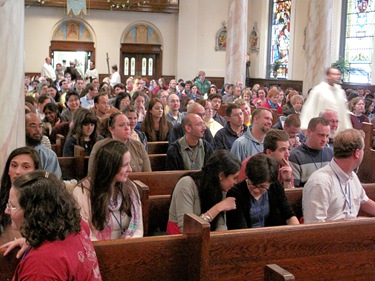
[(108, 200), (20, 161), (155, 125), (202, 192), (83, 133)]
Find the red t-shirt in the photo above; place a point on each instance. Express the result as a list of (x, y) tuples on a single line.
[(71, 259)]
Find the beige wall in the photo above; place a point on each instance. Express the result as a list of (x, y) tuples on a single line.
[(188, 37)]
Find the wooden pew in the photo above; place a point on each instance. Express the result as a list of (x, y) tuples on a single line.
[(342, 250), (157, 162), (157, 147), (161, 185), (174, 257), (365, 172), (273, 272)]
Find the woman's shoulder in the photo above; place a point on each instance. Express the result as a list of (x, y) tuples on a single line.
[(82, 189)]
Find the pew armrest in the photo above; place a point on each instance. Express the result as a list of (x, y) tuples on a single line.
[(273, 272)]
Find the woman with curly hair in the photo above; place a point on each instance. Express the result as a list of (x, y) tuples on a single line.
[(20, 161), (56, 240), (84, 132), (203, 192), (108, 200), (155, 125)]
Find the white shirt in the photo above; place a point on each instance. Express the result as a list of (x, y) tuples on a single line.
[(325, 96), (115, 79), (331, 195), (48, 71)]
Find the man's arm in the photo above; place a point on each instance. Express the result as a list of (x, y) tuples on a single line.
[(368, 207)]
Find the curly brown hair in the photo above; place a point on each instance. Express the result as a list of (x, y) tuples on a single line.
[(49, 210)]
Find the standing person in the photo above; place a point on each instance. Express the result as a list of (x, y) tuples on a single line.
[(203, 193), (91, 73), (109, 202), (260, 198), (57, 239), (327, 95), (115, 76), (155, 125), (47, 69), (20, 161), (202, 83), (335, 192)]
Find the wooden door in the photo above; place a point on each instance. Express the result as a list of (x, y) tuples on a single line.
[(141, 60)]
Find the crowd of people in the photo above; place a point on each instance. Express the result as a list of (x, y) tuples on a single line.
[(238, 162)]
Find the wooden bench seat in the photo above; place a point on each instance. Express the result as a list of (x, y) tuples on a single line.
[(157, 147)]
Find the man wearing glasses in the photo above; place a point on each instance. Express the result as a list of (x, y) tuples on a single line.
[(48, 158)]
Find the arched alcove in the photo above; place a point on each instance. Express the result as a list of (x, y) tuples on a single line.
[(73, 39), (141, 51)]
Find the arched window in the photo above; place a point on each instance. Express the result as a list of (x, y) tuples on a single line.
[(357, 41), (279, 39)]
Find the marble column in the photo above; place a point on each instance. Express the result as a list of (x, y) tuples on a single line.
[(236, 42), (318, 34), (12, 112)]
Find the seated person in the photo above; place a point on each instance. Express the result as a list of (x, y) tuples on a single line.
[(109, 202), (83, 132), (335, 192), (313, 154), (260, 199), (177, 131), (190, 152), (56, 240), (234, 128), (203, 193)]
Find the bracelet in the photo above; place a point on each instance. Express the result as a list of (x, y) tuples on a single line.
[(209, 214), (288, 180), (206, 218)]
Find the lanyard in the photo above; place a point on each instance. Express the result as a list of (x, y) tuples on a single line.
[(321, 160), (348, 199), (119, 222)]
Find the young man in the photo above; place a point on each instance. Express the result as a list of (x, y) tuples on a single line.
[(276, 145), (174, 115), (251, 142), (234, 128), (313, 154), (335, 192)]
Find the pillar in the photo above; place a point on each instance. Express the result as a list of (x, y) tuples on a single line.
[(318, 36), (236, 42), (12, 112)]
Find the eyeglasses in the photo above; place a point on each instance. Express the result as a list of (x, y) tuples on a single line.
[(34, 126), (10, 207), (260, 186), (334, 121)]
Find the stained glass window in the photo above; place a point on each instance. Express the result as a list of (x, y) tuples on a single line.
[(359, 36), (280, 11)]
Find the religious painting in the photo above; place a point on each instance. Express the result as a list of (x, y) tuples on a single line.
[(142, 34), (72, 30), (221, 38)]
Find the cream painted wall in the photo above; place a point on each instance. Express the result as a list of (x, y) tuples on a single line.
[(108, 27), (198, 23), (188, 37)]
